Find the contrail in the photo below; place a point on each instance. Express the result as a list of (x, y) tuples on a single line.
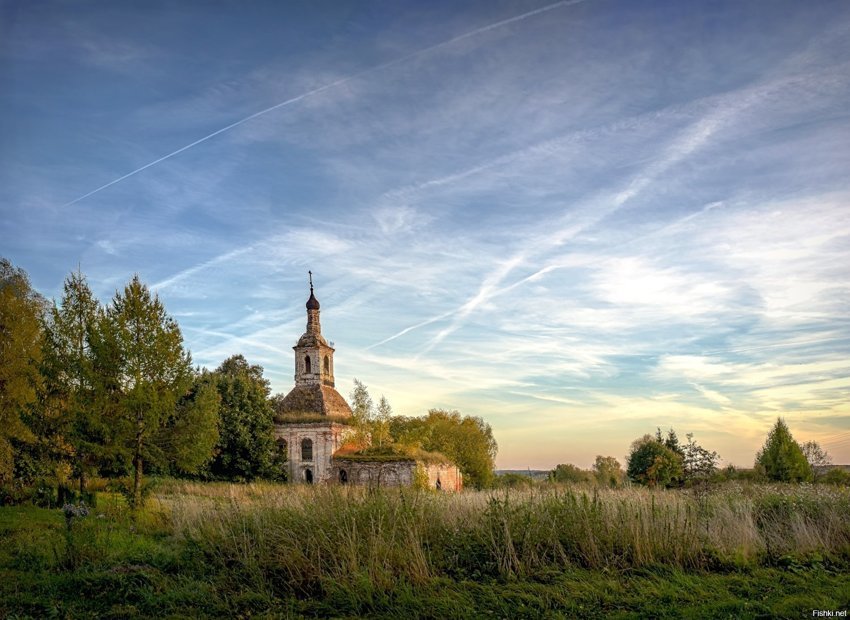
[(334, 84)]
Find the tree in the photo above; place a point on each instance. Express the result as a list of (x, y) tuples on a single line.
[(191, 435), (68, 413), (671, 441), (608, 472), (381, 423), (246, 448), (21, 311), (815, 455), (363, 410), (781, 458), (698, 463), (569, 473), (152, 370), (652, 463), (466, 440)]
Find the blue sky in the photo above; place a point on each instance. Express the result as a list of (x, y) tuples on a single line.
[(579, 220)]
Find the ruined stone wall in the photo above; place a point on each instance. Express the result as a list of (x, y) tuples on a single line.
[(372, 473), (449, 476), (326, 439), (393, 474)]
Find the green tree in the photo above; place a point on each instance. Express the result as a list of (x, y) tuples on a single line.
[(151, 370), (671, 441), (781, 458), (246, 447), (21, 336), (608, 472), (381, 423), (569, 473), (189, 438), (698, 463), (653, 463), (363, 411), (68, 415)]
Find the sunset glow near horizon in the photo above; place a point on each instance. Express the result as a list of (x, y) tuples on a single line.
[(579, 220)]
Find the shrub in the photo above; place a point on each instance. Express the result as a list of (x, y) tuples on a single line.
[(570, 473), (836, 476), (512, 480), (652, 463)]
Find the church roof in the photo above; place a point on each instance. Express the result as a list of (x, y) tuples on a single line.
[(315, 399), (311, 339)]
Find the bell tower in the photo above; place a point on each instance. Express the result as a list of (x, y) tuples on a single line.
[(314, 357)]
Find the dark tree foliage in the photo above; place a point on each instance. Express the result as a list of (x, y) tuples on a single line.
[(671, 441), (782, 458), (698, 463), (466, 440), (653, 463), (246, 448), (69, 423), (150, 370), (188, 439), (21, 312), (569, 473), (511, 480), (608, 472)]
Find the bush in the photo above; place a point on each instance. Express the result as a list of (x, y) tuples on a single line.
[(836, 476), (511, 480), (570, 473), (652, 463)]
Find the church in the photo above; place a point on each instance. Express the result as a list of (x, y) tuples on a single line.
[(313, 427)]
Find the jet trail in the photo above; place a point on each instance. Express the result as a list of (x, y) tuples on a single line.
[(339, 82)]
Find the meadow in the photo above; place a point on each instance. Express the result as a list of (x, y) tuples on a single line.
[(266, 550)]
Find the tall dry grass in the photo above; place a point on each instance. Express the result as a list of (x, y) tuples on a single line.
[(305, 538)]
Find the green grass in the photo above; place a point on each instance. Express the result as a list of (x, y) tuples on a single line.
[(264, 550)]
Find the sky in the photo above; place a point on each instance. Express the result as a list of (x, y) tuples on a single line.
[(579, 220)]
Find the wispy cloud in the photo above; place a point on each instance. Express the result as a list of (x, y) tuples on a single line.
[(502, 215)]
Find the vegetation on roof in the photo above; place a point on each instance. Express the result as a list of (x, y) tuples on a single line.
[(391, 453), (311, 418)]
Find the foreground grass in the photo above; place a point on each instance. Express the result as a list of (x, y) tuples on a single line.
[(277, 551)]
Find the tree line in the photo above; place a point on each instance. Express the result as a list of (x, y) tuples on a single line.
[(662, 460)]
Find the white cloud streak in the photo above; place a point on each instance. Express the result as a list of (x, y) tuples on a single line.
[(330, 86)]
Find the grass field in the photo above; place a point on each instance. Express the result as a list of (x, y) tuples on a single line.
[(262, 550)]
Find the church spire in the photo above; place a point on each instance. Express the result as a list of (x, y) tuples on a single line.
[(313, 324), (312, 303), (313, 354)]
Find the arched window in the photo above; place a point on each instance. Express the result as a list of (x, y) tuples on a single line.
[(307, 364), (343, 476), (327, 365), (306, 449), (308, 476), (281, 449)]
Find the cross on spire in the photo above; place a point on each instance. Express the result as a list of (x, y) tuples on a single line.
[(311, 281)]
